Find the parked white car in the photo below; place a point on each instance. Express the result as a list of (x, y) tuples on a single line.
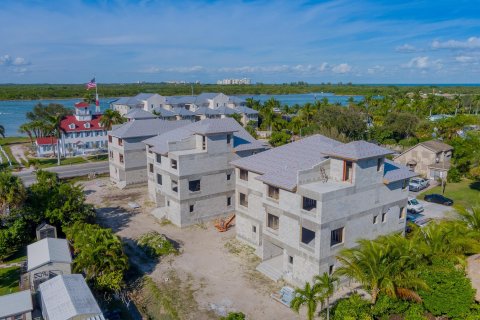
[(414, 206), (423, 182)]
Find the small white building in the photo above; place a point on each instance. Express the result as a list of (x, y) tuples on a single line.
[(68, 297), (16, 306), (46, 259), (45, 146)]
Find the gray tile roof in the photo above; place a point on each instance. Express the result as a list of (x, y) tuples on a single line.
[(144, 96), (279, 166), (207, 111), (227, 111), (164, 113), (236, 100), (436, 146), (246, 110), (129, 101), (15, 303), (180, 100), (146, 128), (183, 112), (208, 126), (357, 150), (68, 297), (395, 172), (137, 113), (47, 250)]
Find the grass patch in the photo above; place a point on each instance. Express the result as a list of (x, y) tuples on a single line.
[(85, 178), (156, 245), (9, 280), (171, 299), (98, 157), (52, 162), (465, 193), (17, 256), (13, 140)]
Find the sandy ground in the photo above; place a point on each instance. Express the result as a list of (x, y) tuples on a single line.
[(18, 151), (473, 271), (219, 269)]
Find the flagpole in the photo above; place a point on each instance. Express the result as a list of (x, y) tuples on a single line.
[(97, 102)]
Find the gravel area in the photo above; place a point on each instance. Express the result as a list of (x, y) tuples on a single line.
[(219, 269)]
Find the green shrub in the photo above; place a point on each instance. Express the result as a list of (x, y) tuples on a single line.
[(409, 142), (155, 244), (415, 312), (352, 308), (386, 306), (389, 141), (450, 292), (454, 175), (234, 316)]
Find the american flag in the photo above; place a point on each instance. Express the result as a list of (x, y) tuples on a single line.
[(91, 84)]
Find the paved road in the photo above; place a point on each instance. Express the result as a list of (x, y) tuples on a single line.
[(67, 171), (433, 210)]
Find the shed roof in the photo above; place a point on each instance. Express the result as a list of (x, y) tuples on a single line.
[(15, 303), (47, 250), (68, 296)]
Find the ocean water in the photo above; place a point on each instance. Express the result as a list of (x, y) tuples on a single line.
[(12, 112)]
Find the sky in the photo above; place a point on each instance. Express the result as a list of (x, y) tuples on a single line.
[(120, 41)]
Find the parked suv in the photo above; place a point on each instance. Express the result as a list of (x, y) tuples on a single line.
[(414, 206), (415, 186)]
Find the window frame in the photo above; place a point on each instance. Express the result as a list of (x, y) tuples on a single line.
[(273, 222), (243, 203), (243, 174), (194, 185), (337, 236), (273, 192), (305, 204)]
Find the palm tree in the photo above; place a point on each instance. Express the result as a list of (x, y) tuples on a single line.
[(378, 267), (2, 131), (111, 117), (12, 192), (307, 296), (471, 218), (56, 131), (326, 284)]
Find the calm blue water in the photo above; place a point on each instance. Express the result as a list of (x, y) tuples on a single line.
[(291, 99), (12, 112)]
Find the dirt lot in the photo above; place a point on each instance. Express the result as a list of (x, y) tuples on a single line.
[(216, 269)]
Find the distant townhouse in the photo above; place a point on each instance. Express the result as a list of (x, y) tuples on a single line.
[(127, 157), (194, 108), (190, 178), (431, 159), (145, 101), (68, 297), (299, 204), (16, 306), (46, 259)]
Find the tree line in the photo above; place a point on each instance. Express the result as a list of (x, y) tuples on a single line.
[(57, 91)]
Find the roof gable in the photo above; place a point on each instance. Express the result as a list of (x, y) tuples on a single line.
[(46, 251)]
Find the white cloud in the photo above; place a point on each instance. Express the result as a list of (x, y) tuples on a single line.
[(423, 63), (342, 68), (323, 67), (191, 69), (8, 60), (470, 43), (405, 48), (464, 59), (375, 69)]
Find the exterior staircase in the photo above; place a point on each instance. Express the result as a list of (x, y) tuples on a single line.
[(272, 268)]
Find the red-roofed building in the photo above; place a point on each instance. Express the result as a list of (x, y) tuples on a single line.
[(82, 132), (45, 146)]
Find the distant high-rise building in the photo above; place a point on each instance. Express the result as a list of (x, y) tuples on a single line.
[(234, 81)]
